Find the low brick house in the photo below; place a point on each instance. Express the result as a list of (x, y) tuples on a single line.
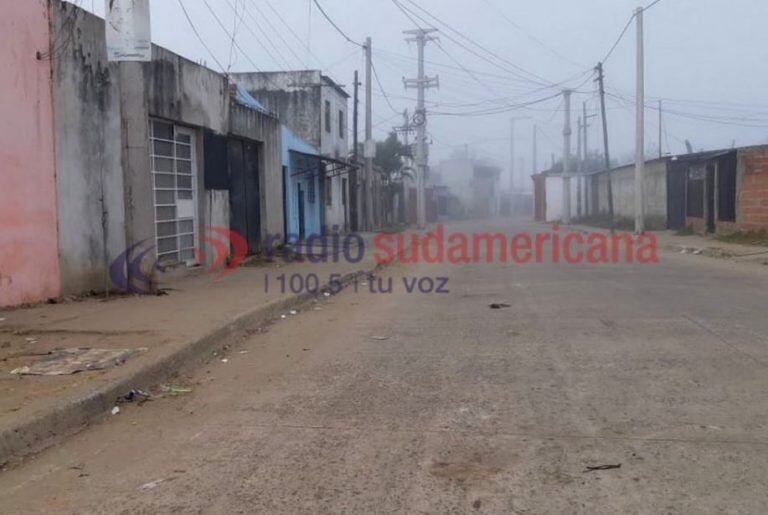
[(728, 191)]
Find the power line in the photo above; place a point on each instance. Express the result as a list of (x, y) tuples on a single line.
[(386, 97), (325, 15), (499, 110), (202, 41), (539, 80), (531, 36), (618, 40), (293, 33), (279, 34), (285, 64)]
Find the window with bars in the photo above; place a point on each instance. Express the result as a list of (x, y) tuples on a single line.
[(173, 174)]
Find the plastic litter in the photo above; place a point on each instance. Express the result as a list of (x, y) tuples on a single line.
[(72, 361), (139, 396), (115, 410)]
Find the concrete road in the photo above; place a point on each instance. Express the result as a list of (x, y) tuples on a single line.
[(435, 403)]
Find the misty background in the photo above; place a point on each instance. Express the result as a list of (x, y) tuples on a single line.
[(705, 58)]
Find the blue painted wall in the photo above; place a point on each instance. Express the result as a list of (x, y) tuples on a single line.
[(312, 210)]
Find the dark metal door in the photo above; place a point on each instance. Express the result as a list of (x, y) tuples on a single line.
[(710, 198), (676, 202), (302, 221), (244, 191)]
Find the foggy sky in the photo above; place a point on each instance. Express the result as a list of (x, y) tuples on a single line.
[(710, 51)]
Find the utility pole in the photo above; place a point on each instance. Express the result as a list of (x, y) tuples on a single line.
[(421, 37), (511, 156), (579, 167), (661, 122), (369, 145), (640, 128), (567, 159), (358, 180), (355, 116), (535, 149), (601, 80), (406, 130)]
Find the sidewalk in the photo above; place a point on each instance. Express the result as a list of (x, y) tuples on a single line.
[(200, 315), (697, 245)]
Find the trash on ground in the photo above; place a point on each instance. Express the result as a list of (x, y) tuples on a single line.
[(327, 294), (602, 467), (139, 396), (115, 410), (283, 316), (294, 312), (72, 361), (225, 360), (153, 484), (499, 306), (379, 338), (176, 389)]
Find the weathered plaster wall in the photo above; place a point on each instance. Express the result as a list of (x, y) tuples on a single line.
[(336, 214), (88, 149), (29, 269), (623, 183), (187, 93), (333, 143), (295, 97)]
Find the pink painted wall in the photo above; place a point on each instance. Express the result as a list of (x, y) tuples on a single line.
[(29, 269)]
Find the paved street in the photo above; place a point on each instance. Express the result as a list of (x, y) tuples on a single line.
[(416, 403)]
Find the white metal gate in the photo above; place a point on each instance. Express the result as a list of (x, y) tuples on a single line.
[(174, 175)]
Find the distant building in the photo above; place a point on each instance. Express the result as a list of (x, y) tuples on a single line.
[(314, 108)]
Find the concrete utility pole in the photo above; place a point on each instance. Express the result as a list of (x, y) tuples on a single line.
[(579, 167), (535, 149), (355, 116), (640, 128), (511, 155), (406, 130), (601, 80), (369, 145), (661, 122), (358, 182), (421, 37), (567, 159)]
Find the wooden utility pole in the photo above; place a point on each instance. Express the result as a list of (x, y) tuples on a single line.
[(601, 81), (357, 184), (640, 127), (567, 158), (369, 145)]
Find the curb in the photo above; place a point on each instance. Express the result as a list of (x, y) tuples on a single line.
[(43, 429)]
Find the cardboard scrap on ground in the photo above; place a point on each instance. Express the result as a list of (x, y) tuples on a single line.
[(71, 361)]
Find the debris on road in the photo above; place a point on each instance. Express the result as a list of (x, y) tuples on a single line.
[(115, 410), (139, 396), (294, 312), (602, 467), (379, 338), (176, 389), (146, 487), (499, 306), (72, 361)]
